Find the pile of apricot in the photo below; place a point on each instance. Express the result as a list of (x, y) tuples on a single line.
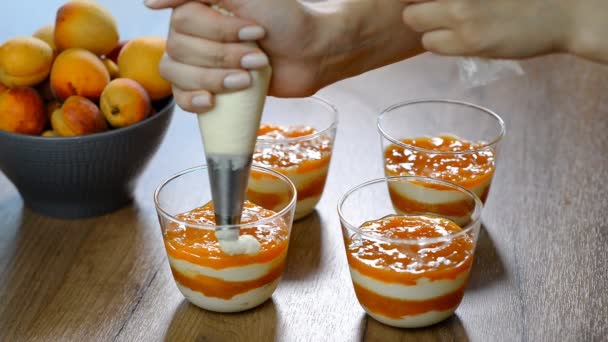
[(76, 77)]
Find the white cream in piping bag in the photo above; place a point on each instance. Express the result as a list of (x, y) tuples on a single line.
[(229, 132), (231, 126)]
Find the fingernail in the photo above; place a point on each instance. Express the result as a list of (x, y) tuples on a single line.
[(150, 2), (254, 61), (251, 33), (237, 81), (201, 101)]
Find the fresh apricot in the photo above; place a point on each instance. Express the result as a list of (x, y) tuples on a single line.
[(139, 59), (22, 111), (47, 34), (78, 72), (86, 25), (124, 102), (78, 116), (111, 67), (24, 61), (50, 134)]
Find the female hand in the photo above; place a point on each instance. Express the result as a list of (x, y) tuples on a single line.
[(207, 52), (497, 28), (309, 46)]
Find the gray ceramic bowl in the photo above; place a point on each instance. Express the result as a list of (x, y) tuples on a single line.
[(77, 177)]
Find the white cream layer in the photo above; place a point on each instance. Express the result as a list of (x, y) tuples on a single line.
[(423, 290), (300, 180), (266, 185), (240, 302), (231, 126), (237, 303), (423, 194), (306, 206), (241, 273), (415, 321), (432, 196)]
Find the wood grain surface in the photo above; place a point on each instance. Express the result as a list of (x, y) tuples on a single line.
[(541, 269)]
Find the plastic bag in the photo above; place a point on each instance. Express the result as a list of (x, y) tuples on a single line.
[(475, 72)]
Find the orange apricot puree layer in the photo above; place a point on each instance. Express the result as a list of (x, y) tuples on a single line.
[(271, 200), (397, 308), (406, 262), (214, 287), (201, 247), (466, 169), (293, 156)]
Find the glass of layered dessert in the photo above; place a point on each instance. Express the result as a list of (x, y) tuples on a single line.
[(449, 140), (211, 268), (296, 139), (410, 267)]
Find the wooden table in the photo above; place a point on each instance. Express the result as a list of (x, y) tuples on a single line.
[(541, 269)]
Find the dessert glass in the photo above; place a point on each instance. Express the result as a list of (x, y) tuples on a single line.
[(296, 139), (206, 272), (449, 140), (412, 273)]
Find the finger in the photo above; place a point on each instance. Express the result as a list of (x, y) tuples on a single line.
[(426, 16), (188, 77), (210, 54), (199, 20), (444, 42), (198, 101), (161, 4)]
